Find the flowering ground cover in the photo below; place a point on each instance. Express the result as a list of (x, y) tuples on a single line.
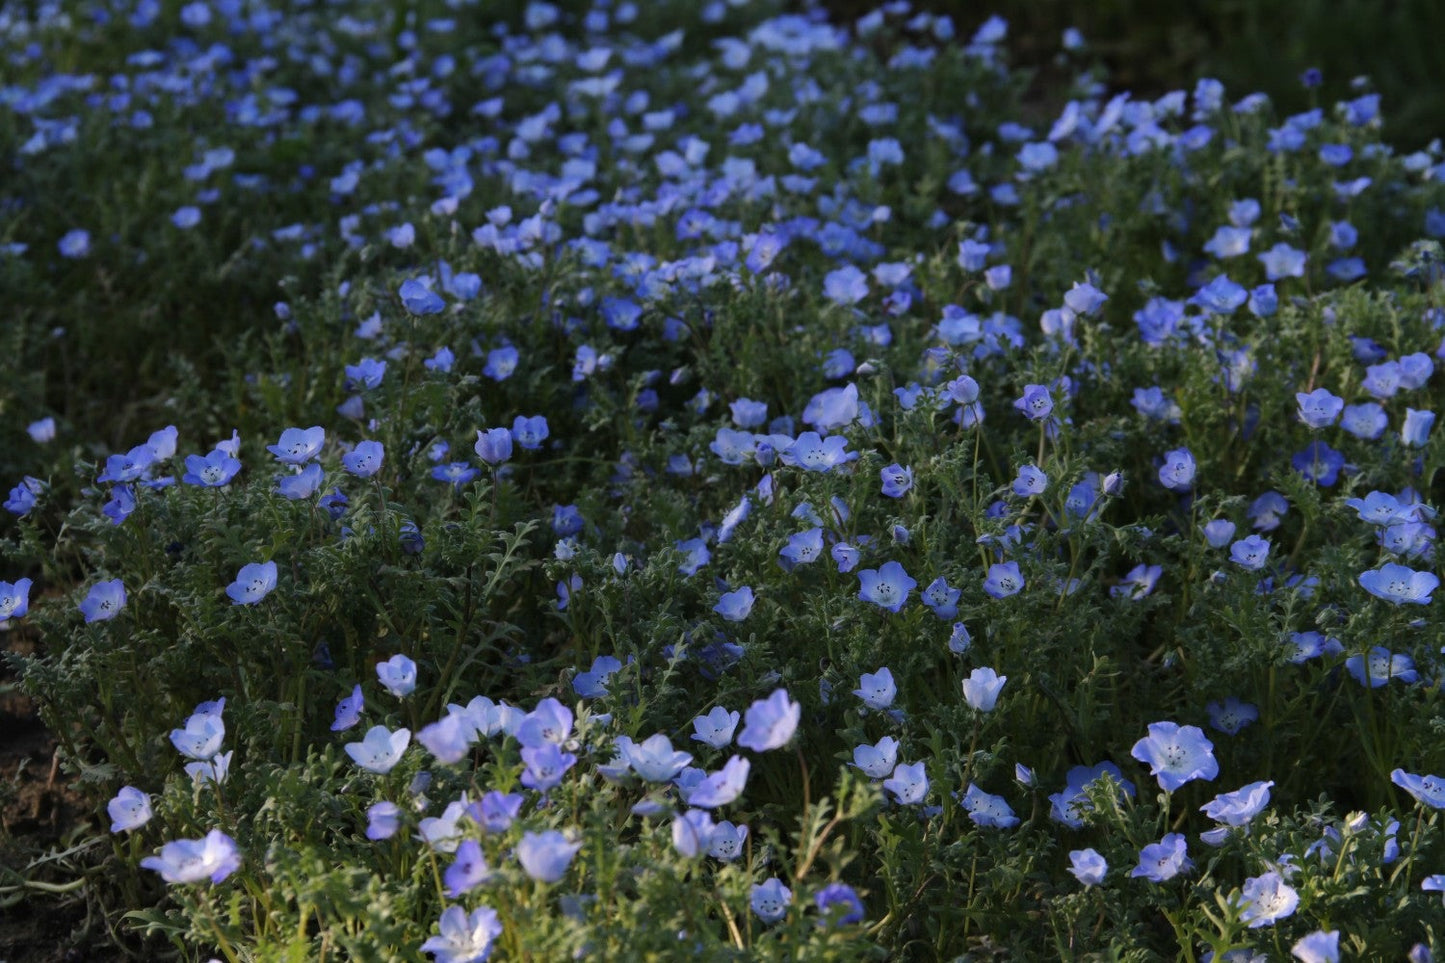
[(631, 481)]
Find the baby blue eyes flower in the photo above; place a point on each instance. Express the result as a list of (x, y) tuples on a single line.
[(1088, 866), (1036, 402), (982, 687), (1283, 261), (1030, 481), (877, 761), (1365, 421), (735, 606), (942, 598), (494, 445), (1319, 408), (908, 784), (104, 601), (457, 473), (253, 583), (722, 787), (1177, 472), (1176, 754), (365, 459), (75, 244), (770, 900), (211, 471), (691, 832), (468, 869), (1250, 553), (839, 905), (365, 375), (877, 689), (988, 810), (418, 298), (397, 675), (1380, 666), (192, 860), (1321, 946), (348, 711), (1267, 899), (1416, 429), (201, 737), (770, 723), (1162, 861), (464, 939), (1004, 579), (303, 484), (1232, 715), (530, 432), (186, 217), (1427, 790), (1239, 807), (887, 586), (716, 728), (897, 480), (846, 286), (24, 496), (1399, 584), (130, 809), (298, 445), (654, 759), (380, 749), (14, 599), (811, 452)]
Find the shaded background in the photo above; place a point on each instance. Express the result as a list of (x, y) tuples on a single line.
[(1153, 46)]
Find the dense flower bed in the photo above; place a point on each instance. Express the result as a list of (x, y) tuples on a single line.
[(718, 482)]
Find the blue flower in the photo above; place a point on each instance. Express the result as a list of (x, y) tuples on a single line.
[(695, 555), (1030, 481), (1283, 261), (722, 787), (981, 689), (365, 459), (897, 480), (1267, 899), (1088, 866), (1163, 860), (212, 471), (365, 375), (716, 728), (1176, 754), (1365, 421), (1319, 408), (1416, 429), (1399, 584), (530, 432), (802, 548), (397, 675), (457, 473), (23, 497), (494, 445), (192, 860), (770, 900), (1036, 402), (770, 723), (1177, 472), (1380, 666), (298, 445), (501, 363), (1004, 579), (1319, 463), (735, 606), (348, 710), (1427, 790), (1239, 807), (814, 453), (839, 905), (14, 599), (467, 871), (908, 784), (1250, 553), (887, 586), (942, 598), (988, 810), (877, 689), (303, 484), (1231, 715), (418, 298), (462, 938), (253, 583), (104, 601)]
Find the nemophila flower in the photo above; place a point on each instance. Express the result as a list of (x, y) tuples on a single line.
[(129, 467), (1139, 583), (876, 761), (1427, 790), (1176, 754), (129, 809), (1365, 421), (121, 504), (348, 710), (501, 363), (212, 470), (1311, 645), (1088, 866), (464, 939), (211, 771), (908, 784), (735, 606), (877, 689), (1268, 510), (1177, 472), (1382, 380), (592, 684), (365, 375), (1228, 242), (998, 277), (897, 480), (1319, 408), (104, 601), (845, 556), (1250, 553), (456, 474), (1399, 584), (691, 831), (770, 723), (41, 432), (494, 445), (942, 598), (1004, 579), (1267, 899), (298, 445), (1239, 807), (1321, 946), (1218, 533), (253, 583), (845, 286), (191, 860), (1380, 666), (988, 810), (365, 459), (380, 749), (303, 484), (1220, 296), (716, 728), (654, 759), (770, 900), (1036, 403), (449, 739), (550, 721), (1263, 301), (23, 497), (838, 904), (727, 841), (74, 244), (468, 869), (1231, 715), (1283, 261), (1416, 429), (724, 786), (982, 687), (530, 432), (811, 452), (383, 819), (443, 833), (14, 599), (1072, 803), (1030, 481), (886, 586), (695, 555), (1415, 370), (1319, 463), (1084, 299), (418, 297), (1164, 860), (496, 811)]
